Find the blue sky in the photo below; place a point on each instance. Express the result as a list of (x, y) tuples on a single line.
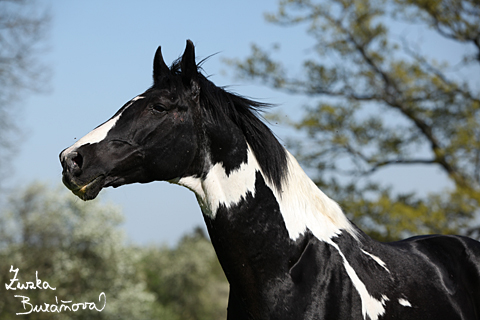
[(101, 56)]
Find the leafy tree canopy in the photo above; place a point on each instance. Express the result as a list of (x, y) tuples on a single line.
[(80, 250), (77, 248), (187, 280), (381, 102)]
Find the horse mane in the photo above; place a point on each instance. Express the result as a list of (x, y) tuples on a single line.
[(246, 115)]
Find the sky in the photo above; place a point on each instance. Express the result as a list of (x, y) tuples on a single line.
[(101, 55)]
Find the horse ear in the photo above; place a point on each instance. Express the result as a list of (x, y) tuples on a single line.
[(189, 67), (160, 68)]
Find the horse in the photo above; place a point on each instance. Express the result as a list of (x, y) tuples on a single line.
[(287, 249)]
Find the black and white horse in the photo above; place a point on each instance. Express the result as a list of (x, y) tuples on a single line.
[(287, 249)]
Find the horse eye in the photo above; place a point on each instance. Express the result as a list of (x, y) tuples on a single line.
[(159, 107)]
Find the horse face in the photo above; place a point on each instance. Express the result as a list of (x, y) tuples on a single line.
[(152, 137)]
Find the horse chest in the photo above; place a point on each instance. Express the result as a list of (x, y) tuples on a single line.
[(302, 280), (274, 276)]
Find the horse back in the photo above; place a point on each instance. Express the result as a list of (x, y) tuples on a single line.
[(453, 263)]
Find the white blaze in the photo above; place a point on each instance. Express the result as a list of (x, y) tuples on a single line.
[(99, 133)]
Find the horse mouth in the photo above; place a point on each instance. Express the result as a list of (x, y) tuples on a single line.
[(90, 190)]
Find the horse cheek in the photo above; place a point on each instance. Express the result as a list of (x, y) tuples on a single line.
[(172, 161)]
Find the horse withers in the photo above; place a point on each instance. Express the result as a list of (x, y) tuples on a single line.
[(287, 249)]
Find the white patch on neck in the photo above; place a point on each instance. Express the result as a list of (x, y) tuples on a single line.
[(370, 306), (377, 260), (219, 189), (404, 302), (303, 205), (99, 133)]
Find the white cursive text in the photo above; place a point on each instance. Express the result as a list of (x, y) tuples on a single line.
[(38, 284), (63, 306)]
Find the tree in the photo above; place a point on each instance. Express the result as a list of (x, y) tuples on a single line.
[(78, 249), (23, 28), (187, 280), (381, 102)]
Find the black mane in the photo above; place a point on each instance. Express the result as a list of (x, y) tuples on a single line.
[(244, 113)]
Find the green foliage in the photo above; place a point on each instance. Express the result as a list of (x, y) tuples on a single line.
[(187, 280), (381, 102), (78, 248)]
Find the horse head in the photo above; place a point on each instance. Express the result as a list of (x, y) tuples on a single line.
[(180, 127), (154, 136)]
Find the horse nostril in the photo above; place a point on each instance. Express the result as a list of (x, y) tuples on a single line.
[(73, 163), (78, 160)]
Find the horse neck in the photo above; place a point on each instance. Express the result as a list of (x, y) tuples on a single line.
[(268, 239), (302, 204)]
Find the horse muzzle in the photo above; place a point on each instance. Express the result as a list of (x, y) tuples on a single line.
[(90, 168), (73, 178), (87, 191)]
